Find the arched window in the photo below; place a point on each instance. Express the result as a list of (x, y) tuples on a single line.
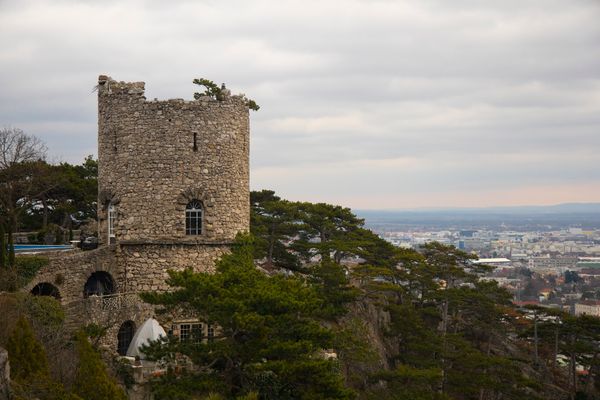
[(45, 289), (112, 218), (193, 218), (125, 336), (100, 283)]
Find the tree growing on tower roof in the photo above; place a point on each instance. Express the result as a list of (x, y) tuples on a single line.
[(212, 90)]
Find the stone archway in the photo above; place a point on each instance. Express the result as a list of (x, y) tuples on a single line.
[(45, 289), (124, 336), (100, 283)]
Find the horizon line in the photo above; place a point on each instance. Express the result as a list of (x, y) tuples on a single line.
[(474, 208)]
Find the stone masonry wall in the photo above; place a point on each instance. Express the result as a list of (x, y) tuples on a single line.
[(69, 271), (146, 265), (150, 168)]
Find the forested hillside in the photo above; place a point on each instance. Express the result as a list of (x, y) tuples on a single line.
[(336, 312), (311, 305)]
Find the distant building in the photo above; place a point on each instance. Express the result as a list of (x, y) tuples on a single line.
[(495, 262), (552, 263), (588, 263), (588, 307)]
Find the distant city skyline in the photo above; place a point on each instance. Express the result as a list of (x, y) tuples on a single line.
[(368, 104)]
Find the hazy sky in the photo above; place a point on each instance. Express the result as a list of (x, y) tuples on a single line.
[(369, 104)]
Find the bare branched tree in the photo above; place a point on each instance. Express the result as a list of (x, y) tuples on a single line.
[(21, 156), (16, 146)]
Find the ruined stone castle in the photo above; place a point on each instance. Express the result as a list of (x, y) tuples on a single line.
[(173, 193)]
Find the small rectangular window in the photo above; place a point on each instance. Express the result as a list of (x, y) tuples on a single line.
[(196, 333), (184, 332), (190, 332), (193, 218), (195, 141)]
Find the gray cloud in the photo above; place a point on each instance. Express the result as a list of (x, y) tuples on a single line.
[(370, 103)]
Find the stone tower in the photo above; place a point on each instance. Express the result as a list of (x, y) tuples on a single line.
[(173, 194), (173, 180)]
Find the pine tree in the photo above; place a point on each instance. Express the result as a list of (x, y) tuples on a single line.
[(269, 339)]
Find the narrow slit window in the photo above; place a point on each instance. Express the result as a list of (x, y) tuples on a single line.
[(193, 218), (112, 217), (210, 333), (195, 141)]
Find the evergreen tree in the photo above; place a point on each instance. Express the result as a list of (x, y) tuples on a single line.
[(26, 355), (269, 336), (329, 231), (274, 223), (92, 381)]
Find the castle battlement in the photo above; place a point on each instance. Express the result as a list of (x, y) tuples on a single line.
[(110, 87)]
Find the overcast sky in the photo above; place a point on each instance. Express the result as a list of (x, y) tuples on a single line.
[(368, 104)]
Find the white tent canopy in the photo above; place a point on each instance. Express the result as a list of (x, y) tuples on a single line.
[(150, 330)]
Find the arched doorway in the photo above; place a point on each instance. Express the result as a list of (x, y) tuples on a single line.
[(45, 289), (126, 332), (100, 283)]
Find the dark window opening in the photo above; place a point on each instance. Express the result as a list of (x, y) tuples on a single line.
[(195, 141), (193, 218), (124, 337), (196, 337), (99, 284), (185, 332), (191, 332), (45, 289), (210, 333)]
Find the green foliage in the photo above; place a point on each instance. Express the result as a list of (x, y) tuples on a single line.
[(92, 381), (328, 231), (35, 194), (290, 234), (45, 311), (274, 222), (123, 370), (212, 90), (408, 383), (28, 266), (26, 355), (331, 282), (443, 322), (252, 105), (22, 314), (354, 349), (21, 272), (269, 333)]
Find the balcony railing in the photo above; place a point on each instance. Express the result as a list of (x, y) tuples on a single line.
[(113, 302)]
